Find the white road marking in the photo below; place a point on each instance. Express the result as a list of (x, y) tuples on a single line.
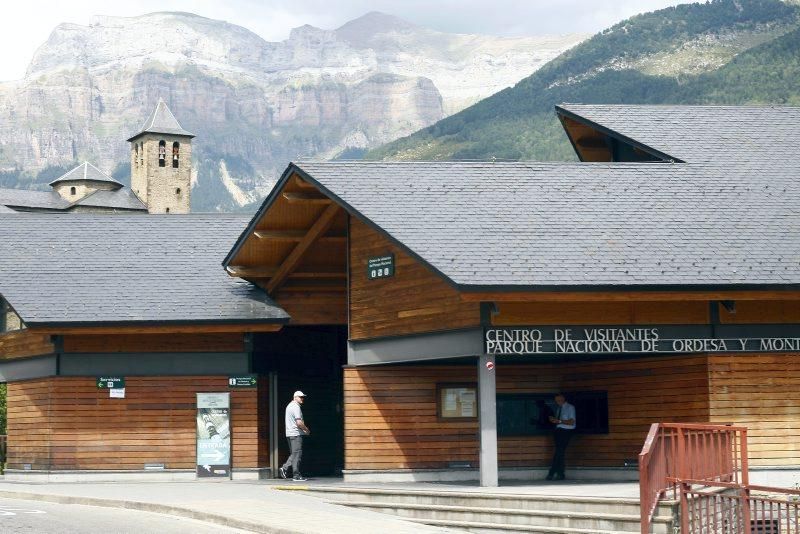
[(6, 511)]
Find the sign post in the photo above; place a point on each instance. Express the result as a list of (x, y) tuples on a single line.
[(213, 435)]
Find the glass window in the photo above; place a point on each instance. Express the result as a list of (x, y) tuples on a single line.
[(526, 414)]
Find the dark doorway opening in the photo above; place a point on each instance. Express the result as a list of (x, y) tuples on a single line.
[(308, 358)]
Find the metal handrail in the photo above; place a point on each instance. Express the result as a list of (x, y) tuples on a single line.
[(676, 452)]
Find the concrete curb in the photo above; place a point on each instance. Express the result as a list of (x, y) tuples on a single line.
[(177, 511)]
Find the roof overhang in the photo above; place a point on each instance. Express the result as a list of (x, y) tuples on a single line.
[(563, 114)]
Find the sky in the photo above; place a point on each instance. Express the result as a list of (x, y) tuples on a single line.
[(26, 25)]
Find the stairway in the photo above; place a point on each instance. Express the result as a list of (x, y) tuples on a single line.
[(499, 512)]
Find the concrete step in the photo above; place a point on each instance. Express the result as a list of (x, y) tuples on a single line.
[(485, 500), (502, 517), (498, 528)]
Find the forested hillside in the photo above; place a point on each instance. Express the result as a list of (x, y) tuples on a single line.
[(721, 52)]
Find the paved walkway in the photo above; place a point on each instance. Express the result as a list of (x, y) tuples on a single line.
[(253, 506)]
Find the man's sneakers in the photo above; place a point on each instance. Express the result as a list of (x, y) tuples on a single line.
[(282, 471), (299, 478)]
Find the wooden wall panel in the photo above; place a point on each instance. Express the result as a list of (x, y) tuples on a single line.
[(391, 423), (764, 312), (414, 300), (611, 313), (233, 342), (68, 423), (24, 343), (761, 392)]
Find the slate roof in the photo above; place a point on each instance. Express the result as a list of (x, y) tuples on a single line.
[(85, 172), (4, 209), (578, 225), (83, 269), (161, 120), (701, 133), (121, 199), (23, 198)]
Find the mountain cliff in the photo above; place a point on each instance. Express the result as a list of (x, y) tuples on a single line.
[(718, 52), (253, 104)]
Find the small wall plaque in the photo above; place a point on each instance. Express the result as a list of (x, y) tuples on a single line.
[(380, 267)]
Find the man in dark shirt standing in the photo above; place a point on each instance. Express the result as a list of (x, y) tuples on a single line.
[(564, 419)]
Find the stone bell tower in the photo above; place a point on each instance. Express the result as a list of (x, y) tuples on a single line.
[(161, 163)]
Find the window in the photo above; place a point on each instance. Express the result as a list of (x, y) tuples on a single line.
[(167, 210), (72, 191), (162, 153), (136, 154), (178, 191), (3, 312), (526, 414), (176, 148), (457, 401), (141, 153)]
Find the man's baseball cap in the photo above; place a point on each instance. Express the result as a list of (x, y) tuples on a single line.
[(299, 393)]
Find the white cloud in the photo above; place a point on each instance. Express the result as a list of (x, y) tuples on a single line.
[(26, 25)]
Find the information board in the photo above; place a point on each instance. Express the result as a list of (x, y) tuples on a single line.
[(213, 435)]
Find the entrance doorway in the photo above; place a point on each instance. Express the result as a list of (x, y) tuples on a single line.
[(310, 359)]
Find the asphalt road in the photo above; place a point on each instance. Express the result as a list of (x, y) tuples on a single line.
[(45, 517)]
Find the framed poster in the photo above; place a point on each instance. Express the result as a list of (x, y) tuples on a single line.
[(457, 401), (213, 435)]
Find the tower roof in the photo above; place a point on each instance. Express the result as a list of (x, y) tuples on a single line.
[(85, 172), (162, 121)]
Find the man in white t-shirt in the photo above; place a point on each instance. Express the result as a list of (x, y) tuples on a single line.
[(564, 419), (296, 429)]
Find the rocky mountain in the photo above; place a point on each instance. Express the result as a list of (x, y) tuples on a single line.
[(253, 104), (722, 51)]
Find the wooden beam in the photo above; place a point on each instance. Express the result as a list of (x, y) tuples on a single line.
[(322, 288), (160, 329), (299, 182), (625, 296), (305, 198), (293, 235), (269, 272), (251, 272), (317, 229)]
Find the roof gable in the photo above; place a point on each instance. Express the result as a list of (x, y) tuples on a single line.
[(723, 134), (529, 226)]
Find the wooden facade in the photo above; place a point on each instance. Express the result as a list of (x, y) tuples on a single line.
[(68, 423), (414, 300), (24, 344), (391, 411)]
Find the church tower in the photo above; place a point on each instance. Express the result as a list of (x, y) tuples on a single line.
[(161, 163)]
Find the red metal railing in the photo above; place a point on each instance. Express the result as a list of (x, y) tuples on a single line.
[(735, 508), (675, 452), (705, 468)]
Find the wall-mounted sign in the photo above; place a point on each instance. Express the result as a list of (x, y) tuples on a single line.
[(213, 435), (242, 381), (110, 382), (380, 267), (639, 339), (116, 393)]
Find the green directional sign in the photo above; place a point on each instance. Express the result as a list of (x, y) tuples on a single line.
[(110, 382), (242, 381)]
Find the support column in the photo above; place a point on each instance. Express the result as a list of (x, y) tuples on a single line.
[(274, 413), (487, 398)]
